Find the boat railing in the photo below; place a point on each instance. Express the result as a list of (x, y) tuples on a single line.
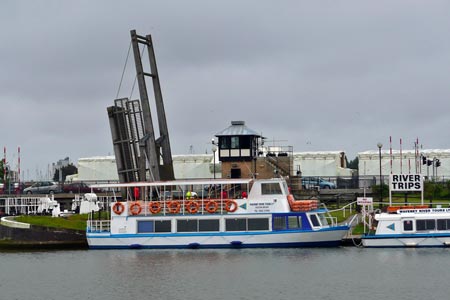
[(181, 206), (98, 225), (332, 221)]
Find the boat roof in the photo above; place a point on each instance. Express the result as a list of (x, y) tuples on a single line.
[(417, 213), (175, 182)]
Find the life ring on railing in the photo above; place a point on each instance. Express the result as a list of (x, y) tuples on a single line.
[(174, 207), (211, 206), (118, 208), (135, 208), (231, 206), (154, 207), (192, 207)]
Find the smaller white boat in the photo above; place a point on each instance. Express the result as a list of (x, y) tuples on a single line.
[(413, 226)]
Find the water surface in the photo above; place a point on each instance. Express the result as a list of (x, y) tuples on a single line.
[(336, 273)]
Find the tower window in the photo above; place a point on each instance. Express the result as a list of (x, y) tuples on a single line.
[(224, 142), (234, 142)]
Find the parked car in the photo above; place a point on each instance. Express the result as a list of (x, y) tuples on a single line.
[(311, 182), (78, 188), (43, 187), (14, 188)]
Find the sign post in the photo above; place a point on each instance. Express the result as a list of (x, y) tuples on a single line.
[(404, 183), (367, 207)]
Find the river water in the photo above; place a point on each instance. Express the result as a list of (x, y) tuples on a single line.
[(336, 273)]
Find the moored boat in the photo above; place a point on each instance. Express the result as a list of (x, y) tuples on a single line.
[(413, 226), (224, 213)]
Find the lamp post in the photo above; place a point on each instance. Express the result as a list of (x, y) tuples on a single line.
[(380, 145), (214, 149)]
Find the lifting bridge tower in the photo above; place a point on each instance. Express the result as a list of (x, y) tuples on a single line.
[(138, 152)]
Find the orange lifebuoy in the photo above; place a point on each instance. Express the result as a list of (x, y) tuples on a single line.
[(192, 207), (211, 206), (135, 208), (174, 207), (231, 206), (118, 208), (154, 207)]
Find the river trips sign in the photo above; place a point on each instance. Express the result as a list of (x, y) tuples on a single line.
[(405, 182)]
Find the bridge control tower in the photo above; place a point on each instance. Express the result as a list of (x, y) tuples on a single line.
[(243, 154)]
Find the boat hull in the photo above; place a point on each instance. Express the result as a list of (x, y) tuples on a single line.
[(401, 241), (330, 237)]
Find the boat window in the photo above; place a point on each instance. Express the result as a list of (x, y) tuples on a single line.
[(153, 226), (187, 225), (163, 226), (235, 225), (425, 225), (323, 219), (407, 225), (314, 220), (145, 226), (258, 224), (443, 224), (271, 188), (279, 223), (295, 222), (208, 225)]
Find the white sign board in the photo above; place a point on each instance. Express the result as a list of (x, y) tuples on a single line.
[(364, 200), (406, 182)]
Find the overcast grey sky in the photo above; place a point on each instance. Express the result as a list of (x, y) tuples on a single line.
[(318, 75)]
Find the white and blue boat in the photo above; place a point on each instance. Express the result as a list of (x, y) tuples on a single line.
[(414, 226), (223, 213)]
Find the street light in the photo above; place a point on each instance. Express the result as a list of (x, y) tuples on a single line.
[(214, 149), (380, 145)]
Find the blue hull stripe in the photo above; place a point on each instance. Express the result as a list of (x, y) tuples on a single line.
[(416, 246), (196, 234), (219, 246), (405, 236)]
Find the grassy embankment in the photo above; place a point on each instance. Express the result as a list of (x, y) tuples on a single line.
[(75, 222)]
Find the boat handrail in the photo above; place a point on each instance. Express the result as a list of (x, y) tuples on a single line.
[(353, 219), (333, 221), (98, 225)]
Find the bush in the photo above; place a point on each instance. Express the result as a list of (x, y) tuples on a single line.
[(376, 191)]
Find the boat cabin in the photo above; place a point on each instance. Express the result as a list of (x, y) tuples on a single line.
[(412, 221), (221, 205)]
